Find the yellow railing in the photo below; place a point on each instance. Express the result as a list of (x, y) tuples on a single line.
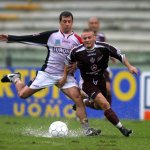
[(8, 17), (28, 6)]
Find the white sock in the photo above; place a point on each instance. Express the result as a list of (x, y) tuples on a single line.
[(15, 80), (85, 99), (119, 125)]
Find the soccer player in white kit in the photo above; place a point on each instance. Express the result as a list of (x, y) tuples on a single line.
[(59, 44)]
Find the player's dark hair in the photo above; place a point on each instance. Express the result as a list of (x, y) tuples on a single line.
[(65, 14)]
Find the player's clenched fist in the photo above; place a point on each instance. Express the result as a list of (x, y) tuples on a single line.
[(3, 37)]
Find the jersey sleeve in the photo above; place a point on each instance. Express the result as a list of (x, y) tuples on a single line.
[(115, 52), (100, 37), (35, 39), (78, 38), (104, 38)]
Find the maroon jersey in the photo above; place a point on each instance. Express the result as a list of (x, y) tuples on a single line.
[(92, 63)]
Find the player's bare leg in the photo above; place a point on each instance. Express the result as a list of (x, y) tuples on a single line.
[(75, 95), (23, 90), (108, 88), (88, 102), (110, 114)]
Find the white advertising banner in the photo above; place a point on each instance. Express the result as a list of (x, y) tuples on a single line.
[(145, 96)]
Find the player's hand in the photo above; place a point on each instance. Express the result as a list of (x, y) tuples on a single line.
[(113, 60), (133, 70), (71, 68), (4, 37), (61, 82)]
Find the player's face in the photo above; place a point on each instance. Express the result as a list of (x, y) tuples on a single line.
[(94, 24), (88, 39), (66, 24)]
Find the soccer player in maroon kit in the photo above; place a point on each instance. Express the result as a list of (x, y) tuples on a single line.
[(92, 59), (95, 24)]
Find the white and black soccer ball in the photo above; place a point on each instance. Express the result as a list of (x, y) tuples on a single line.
[(58, 129)]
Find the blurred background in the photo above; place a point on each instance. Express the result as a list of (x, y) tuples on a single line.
[(126, 25)]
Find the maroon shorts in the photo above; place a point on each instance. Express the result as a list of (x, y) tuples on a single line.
[(93, 88)]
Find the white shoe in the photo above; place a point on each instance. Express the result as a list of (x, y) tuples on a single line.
[(11, 77), (92, 132)]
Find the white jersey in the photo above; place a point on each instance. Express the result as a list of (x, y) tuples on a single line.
[(58, 44)]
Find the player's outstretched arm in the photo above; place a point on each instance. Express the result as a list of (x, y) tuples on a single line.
[(3, 38), (131, 68), (35, 39)]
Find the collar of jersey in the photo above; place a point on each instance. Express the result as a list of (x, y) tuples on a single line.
[(66, 35), (91, 50)]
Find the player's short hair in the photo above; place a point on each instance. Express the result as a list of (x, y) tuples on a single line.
[(87, 30), (65, 14)]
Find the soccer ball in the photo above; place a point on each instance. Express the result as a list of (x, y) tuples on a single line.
[(58, 129)]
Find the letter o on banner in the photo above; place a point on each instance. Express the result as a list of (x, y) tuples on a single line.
[(34, 110), (124, 96)]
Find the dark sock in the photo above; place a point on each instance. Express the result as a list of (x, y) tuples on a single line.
[(111, 116)]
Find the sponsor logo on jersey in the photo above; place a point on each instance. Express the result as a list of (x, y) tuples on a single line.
[(92, 60), (94, 72), (57, 42), (91, 54), (94, 67), (95, 82), (60, 50), (99, 58)]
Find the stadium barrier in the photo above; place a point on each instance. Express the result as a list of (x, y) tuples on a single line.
[(28, 6), (8, 17), (145, 96), (51, 102)]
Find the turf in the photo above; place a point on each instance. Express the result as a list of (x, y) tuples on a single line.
[(32, 134)]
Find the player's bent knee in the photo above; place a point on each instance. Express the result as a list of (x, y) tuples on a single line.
[(105, 105), (23, 95), (79, 103), (78, 98)]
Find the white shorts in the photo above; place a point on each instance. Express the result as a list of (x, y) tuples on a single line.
[(44, 79), (80, 82)]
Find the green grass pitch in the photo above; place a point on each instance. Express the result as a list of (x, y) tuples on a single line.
[(26, 133)]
